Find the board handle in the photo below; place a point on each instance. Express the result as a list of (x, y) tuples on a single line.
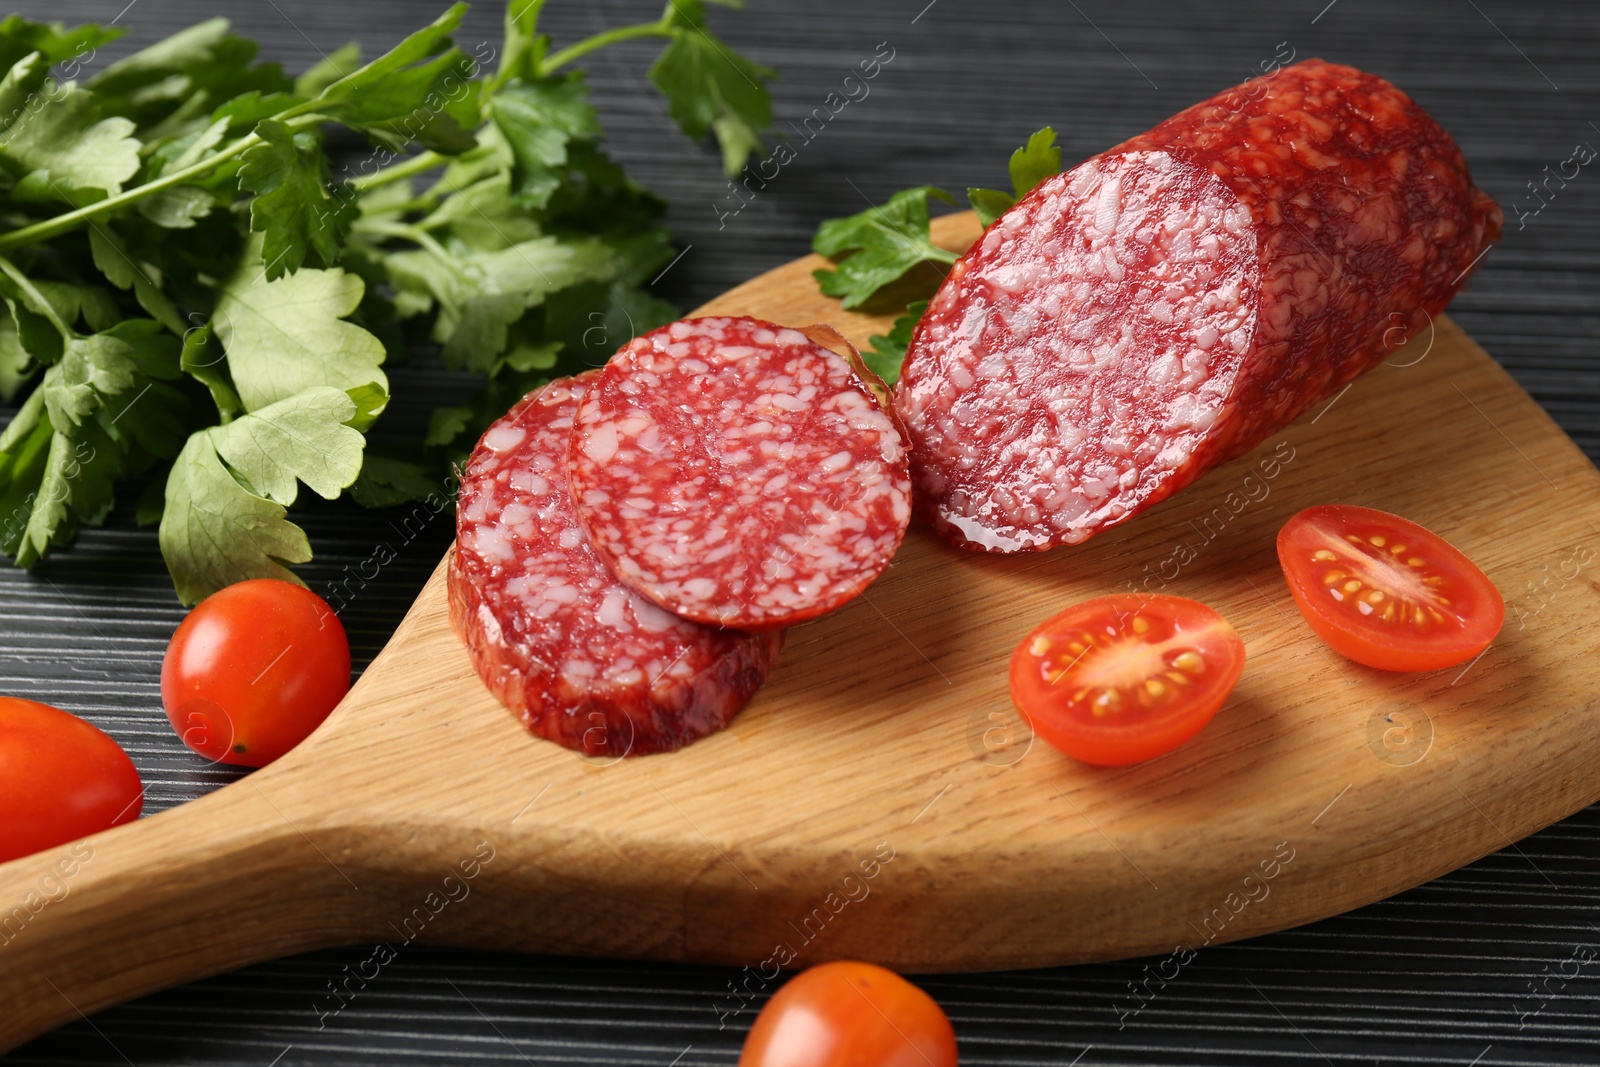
[(227, 880)]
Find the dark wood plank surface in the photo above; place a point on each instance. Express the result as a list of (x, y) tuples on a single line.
[(1489, 965)]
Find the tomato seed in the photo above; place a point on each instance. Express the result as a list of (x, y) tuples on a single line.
[(1190, 661)]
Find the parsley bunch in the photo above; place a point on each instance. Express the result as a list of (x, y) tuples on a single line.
[(191, 293), (875, 250)]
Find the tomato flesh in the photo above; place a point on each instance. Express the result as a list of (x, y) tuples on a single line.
[(60, 779), (1385, 592), (1124, 678), (850, 1015), (253, 669)]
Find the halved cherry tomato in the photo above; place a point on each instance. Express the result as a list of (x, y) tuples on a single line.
[(1124, 678), (60, 778), (850, 1015), (1386, 592), (253, 669)]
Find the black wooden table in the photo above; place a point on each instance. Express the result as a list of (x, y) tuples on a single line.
[(1475, 968)]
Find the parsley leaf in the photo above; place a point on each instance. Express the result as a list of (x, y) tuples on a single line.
[(483, 214), (24, 78), (24, 451), (293, 207), (538, 120), (881, 243), (990, 204), (71, 301), (481, 293), (177, 207), (101, 413), (422, 89), (389, 480), (16, 365), (41, 340), (160, 61), (120, 267), (64, 148), (327, 70), (118, 377), (226, 495), (203, 361), (1031, 164), (173, 85), (285, 336), (1035, 161), (711, 88), (598, 197), (447, 424), (889, 352), (54, 43), (247, 109)]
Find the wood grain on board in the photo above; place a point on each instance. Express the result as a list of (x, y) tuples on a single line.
[(879, 798)]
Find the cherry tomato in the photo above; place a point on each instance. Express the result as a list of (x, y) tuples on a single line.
[(1385, 592), (60, 778), (850, 1015), (253, 669), (1124, 678)]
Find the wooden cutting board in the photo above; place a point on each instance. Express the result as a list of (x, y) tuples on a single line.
[(880, 799)]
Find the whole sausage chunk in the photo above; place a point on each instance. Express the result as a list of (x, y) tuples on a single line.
[(1166, 305), (737, 473), (580, 658)]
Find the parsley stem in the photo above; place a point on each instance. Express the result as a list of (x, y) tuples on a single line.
[(521, 33), (659, 28), (417, 164), (386, 227), (425, 161), (70, 220), (35, 297), (432, 246), (415, 234)]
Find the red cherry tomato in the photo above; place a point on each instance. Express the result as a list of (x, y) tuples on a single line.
[(1386, 592), (850, 1015), (1124, 678), (253, 670), (60, 778)]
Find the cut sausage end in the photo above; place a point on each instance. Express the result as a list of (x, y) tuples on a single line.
[(1078, 356), (1165, 306)]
